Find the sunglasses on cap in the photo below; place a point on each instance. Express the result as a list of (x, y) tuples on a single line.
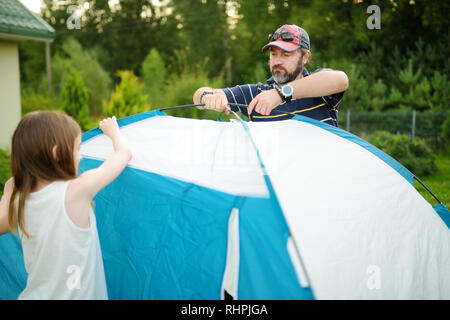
[(283, 35)]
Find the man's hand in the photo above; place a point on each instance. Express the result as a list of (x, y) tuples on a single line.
[(265, 102), (216, 101)]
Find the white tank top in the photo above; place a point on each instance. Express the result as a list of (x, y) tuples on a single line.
[(62, 260)]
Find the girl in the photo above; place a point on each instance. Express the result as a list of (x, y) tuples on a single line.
[(52, 206)]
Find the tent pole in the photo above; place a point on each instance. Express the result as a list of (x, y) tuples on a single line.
[(427, 189), (231, 104)]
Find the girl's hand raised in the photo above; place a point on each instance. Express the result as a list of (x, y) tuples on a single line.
[(109, 126)]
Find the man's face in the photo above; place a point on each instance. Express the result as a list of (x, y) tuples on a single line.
[(285, 66)]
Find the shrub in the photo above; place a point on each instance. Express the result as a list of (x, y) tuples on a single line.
[(414, 154), (75, 97), (445, 134), (97, 81), (180, 90), (127, 98), (184, 82), (32, 100), (154, 76), (428, 124)]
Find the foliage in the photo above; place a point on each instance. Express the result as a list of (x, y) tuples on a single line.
[(123, 31), (181, 87), (41, 98), (94, 122), (32, 63), (259, 73), (439, 183), (428, 124), (96, 79), (445, 134), (154, 76), (127, 98), (204, 33), (414, 154), (75, 98)]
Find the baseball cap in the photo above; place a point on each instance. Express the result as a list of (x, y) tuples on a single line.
[(288, 37)]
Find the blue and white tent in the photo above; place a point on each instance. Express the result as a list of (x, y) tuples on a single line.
[(293, 209)]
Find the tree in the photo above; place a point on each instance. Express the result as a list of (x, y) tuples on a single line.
[(154, 76), (181, 87), (203, 33), (123, 32), (96, 79), (75, 98)]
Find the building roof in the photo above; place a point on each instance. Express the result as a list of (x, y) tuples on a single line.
[(17, 22)]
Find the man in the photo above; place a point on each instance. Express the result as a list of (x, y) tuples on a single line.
[(291, 88)]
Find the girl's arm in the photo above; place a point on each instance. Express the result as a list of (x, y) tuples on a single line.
[(94, 180), (82, 190), (4, 205)]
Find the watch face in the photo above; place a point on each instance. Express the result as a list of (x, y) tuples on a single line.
[(287, 90)]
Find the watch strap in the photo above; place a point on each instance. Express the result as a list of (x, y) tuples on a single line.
[(278, 89), (204, 94)]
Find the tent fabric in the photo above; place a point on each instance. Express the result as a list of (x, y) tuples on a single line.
[(369, 147), (352, 212), (13, 276), (231, 274), (269, 210), (443, 212)]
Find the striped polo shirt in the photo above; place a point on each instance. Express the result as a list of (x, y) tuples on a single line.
[(323, 108)]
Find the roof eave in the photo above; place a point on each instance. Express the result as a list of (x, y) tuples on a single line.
[(20, 37)]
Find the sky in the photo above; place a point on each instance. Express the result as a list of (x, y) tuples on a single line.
[(35, 5), (32, 5)]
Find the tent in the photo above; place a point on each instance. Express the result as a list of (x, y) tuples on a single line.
[(293, 209)]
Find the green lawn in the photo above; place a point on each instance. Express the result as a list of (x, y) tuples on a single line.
[(439, 184)]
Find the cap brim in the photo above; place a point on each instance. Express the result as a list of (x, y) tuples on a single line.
[(286, 46)]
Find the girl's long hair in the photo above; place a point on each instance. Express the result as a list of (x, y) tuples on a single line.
[(32, 157)]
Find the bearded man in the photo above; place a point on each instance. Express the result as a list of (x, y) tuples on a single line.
[(291, 88)]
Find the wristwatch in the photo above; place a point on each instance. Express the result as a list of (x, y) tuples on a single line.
[(286, 92)]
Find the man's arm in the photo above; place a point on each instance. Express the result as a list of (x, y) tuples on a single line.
[(323, 83)]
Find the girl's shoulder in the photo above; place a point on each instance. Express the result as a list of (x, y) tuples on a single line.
[(77, 203), (75, 187)]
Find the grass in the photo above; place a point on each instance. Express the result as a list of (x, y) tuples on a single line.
[(439, 184)]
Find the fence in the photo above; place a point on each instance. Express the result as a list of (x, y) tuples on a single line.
[(426, 125)]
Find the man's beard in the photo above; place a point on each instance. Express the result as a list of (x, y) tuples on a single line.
[(287, 77)]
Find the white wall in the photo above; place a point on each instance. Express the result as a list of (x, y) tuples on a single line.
[(10, 110)]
